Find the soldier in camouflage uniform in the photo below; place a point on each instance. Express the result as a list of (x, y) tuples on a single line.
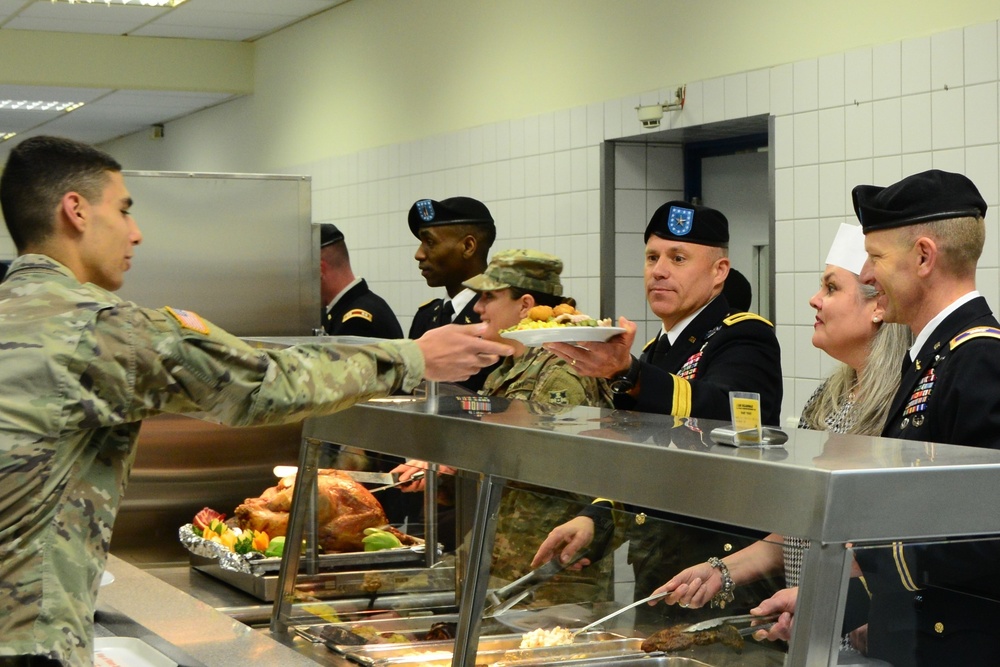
[(513, 283), (80, 368)]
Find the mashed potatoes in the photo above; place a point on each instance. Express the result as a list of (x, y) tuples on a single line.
[(557, 636)]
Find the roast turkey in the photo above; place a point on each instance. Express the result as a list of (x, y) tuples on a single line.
[(344, 509)]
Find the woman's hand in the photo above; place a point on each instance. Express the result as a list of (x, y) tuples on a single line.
[(694, 587)]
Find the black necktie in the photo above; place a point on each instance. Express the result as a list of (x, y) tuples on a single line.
[(447, 310), (661, 350)]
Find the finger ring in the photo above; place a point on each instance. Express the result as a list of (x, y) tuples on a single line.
[(682, 605), (572, 362)]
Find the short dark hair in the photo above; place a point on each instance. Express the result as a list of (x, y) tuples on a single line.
[(39, 171)]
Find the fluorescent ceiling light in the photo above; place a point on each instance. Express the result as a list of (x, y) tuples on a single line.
[(4, 136), (39, 105), (145, 3)]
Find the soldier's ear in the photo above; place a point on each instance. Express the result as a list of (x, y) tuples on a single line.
[(527, 303), (73, 209)]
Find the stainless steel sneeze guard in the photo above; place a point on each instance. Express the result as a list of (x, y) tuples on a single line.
[(832, 489)]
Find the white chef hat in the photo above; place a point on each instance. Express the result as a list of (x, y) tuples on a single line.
[(848, 249)]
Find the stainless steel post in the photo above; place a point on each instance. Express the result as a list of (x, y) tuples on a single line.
[(470, 609), (819, 611)]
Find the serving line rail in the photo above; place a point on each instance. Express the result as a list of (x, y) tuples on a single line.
[(830, 488)]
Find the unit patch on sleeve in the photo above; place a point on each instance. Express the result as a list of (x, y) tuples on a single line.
[(188, 320), (357, 312)]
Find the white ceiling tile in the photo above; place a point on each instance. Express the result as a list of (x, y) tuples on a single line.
[(156, 29)]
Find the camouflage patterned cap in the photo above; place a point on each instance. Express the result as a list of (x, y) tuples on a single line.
[(524, 269)]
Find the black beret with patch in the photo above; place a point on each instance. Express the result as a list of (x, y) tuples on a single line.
[(452, 211), (329, 234), (924, 197), (690, 223)]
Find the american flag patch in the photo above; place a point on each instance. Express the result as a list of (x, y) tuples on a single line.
[(189, 320)]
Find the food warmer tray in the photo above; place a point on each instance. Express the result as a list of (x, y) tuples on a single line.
[(333, 584), (494, 649)]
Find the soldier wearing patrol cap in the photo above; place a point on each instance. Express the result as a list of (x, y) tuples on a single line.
[(351, 308), (455, 237), (935, 605), (703, 352), (515, 282)]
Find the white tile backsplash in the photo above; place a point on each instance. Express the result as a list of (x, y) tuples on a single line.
[(805, 86), (784, 142), (758, 92), (832, 135), (916, 65), (947, 60), (980, 43), (858, 138), (915, 123), (832, 189), (858, 76), (806, 203), (831, 81), (630, 166), (886, 129), (781, 90), (806, 242), (981, 114), (713, 100), (886, 71), (735, 91), (806, 138), (947, 118)]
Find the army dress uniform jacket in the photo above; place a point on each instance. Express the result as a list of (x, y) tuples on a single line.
[(427, 318), (79, 369), (361, 312), (938, 604), (715, 354)]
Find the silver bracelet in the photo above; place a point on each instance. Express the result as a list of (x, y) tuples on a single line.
[(724, 596)]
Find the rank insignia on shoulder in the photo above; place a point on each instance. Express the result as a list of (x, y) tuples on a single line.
[(974, 332), (558, 397), (188, 320), (736, 318), (357, 312)]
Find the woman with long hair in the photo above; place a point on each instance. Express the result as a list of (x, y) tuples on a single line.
[(854, 399)]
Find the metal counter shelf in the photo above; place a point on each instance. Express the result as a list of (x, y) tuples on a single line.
[(829, 488)]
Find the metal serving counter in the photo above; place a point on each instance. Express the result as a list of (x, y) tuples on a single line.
[(832, 489)]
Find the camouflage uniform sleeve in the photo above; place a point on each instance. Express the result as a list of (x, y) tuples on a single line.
[(182, 363)]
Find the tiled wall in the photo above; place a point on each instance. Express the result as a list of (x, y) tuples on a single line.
[(869, 115)]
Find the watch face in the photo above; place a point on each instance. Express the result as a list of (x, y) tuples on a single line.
[(621, 385)]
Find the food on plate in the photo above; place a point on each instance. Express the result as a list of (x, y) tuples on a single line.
[(675, 639), (557, 636), (344, 509), (373, 636), (205, 517), (563, 315), (276, 547)]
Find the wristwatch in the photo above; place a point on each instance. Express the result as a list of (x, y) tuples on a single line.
[(624, 383)]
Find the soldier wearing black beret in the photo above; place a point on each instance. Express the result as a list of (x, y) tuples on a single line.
[(350, 307), (935, 605), (704, 351), (455, 238)]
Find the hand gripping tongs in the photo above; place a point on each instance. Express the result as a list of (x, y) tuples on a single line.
[(502, 599)]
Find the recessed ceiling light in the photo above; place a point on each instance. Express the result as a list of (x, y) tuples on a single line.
[(4, 136), (39, 105), (145, 3)]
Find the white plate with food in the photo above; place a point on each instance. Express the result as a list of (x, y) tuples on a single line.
[(535, 337)]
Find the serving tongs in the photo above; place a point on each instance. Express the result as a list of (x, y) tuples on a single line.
[(654, 596), (733, 620), (502, 599)]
